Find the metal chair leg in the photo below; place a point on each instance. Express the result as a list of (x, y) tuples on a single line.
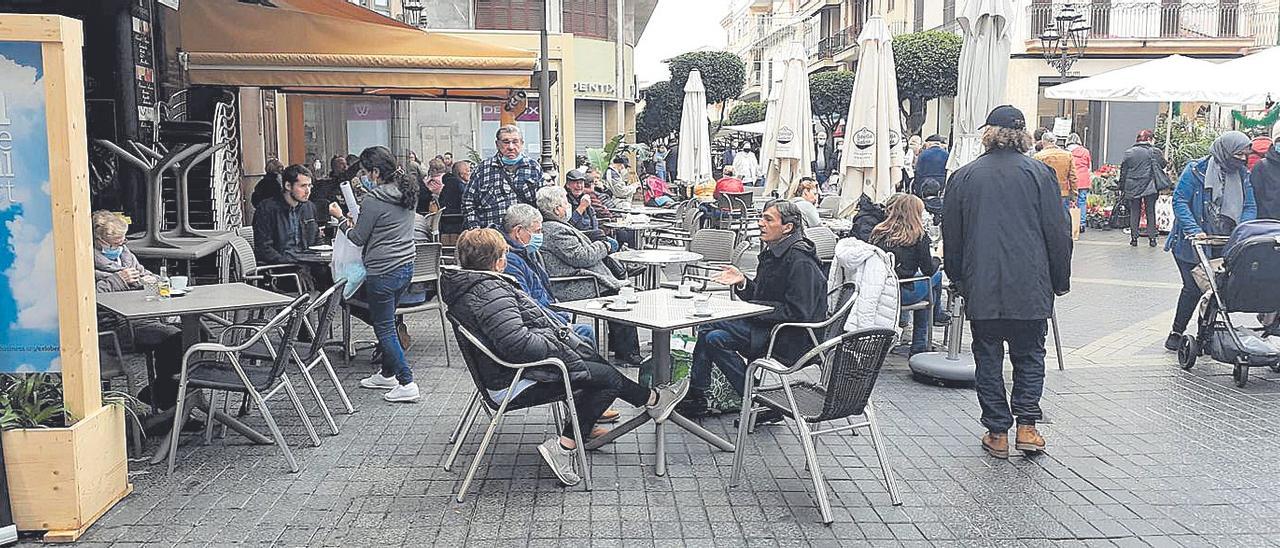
[(275, 430), (484, 445), (877, 443), (815, 471), (297, 405), (464, 427), (337, 384), (462, 421), (208, 424), (179, 418), (444, 334), (315, 392), (579, 440), (1057, 340), (744, 426)]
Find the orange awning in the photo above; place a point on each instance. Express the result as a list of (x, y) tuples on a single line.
[(341, 48)]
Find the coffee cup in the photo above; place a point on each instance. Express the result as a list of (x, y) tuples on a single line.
[(628, 294), (685, 289), (179, 283), (619, 302)]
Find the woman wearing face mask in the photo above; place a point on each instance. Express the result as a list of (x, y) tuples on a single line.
[(115, 268), (1212, 197), (384, 230), (566, 251)]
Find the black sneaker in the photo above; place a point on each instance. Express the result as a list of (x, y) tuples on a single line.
[(1151, 242), (1173, 343), (942, 319), (1133, 242), (694, 404)]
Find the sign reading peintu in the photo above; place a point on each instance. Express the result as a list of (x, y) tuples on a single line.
[(28, 293)]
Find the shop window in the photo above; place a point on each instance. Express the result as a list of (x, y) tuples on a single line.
[(509, 14)]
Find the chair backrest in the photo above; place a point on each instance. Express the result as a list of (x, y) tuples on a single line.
[(843, 307), (851, 370), (246, 232), (834, 203), (242, 251), (473, 351), (426, 262), (326, 306), (716, 245), (421, 228), (291, 320), (433, 222), (824, 240)]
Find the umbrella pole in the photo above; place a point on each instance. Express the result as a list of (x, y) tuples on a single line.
[(1168, 130)]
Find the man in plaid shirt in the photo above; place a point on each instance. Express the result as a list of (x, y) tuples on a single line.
[(506, 179)]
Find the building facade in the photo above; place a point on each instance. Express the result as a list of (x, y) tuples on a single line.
[(592, 98)]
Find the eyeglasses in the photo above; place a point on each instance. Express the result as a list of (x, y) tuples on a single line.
[(509, 141)]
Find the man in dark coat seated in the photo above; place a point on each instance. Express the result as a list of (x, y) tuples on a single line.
[(517, 329), (284, 229), (790, 280), (1007, 243)]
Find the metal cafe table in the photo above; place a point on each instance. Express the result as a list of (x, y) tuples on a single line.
[(654, 260), (198, 301), (661, 312)]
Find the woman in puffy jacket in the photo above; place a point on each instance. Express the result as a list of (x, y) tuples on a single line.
[(491, 306)]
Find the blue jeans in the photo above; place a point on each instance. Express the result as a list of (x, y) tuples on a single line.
[(383, 293), (914, 293), (1026, 352), (722, 344), (1082, 202)]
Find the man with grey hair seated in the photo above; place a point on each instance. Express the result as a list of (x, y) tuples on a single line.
[(567, 251), (790, 280), (523, 231)]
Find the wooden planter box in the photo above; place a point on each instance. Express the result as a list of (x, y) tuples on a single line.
[(61, 480)]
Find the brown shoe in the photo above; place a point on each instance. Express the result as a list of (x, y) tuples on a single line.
[(996, 444), (1029, 439)]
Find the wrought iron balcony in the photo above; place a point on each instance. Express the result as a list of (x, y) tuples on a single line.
[(1147, 20)]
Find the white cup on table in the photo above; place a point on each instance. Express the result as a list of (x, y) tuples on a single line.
[(628, 294), (179, 282), (685, 289)]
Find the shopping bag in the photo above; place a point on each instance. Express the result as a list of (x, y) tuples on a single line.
[(721, 397), (348, 259), (1075, 222)]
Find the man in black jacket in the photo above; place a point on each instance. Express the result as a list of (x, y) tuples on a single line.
[(790, 280), (1007, 243), (1265, 179), (284, 228)]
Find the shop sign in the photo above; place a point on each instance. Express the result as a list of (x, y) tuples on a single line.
[(28, 292), (595, 88), (492, 112), (369, 110)]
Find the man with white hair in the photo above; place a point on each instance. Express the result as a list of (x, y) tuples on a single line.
[(506, 179)]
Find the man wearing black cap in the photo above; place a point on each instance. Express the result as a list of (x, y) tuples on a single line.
[(1007, 243)]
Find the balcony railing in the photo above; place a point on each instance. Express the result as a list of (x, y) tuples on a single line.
[(839, 42), (1167, 19)]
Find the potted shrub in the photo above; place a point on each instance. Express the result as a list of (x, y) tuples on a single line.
[(64, 472)]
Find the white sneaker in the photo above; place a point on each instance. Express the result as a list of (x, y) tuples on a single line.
[(403, 393), (376, 380), (560, 460)]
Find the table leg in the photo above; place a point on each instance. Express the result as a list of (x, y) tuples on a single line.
[(244, 429), (190, 330), (661, 376)]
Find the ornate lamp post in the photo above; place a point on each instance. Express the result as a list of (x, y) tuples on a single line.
[(1063, 43), (413, 14)]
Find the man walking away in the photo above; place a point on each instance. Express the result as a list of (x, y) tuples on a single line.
[(1063, 166), (1008, 249)]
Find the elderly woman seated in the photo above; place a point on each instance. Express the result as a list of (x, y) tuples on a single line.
[(491, 305), (566, 251), (115, 268)]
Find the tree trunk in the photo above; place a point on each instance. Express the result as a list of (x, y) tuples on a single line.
[(915, 113)]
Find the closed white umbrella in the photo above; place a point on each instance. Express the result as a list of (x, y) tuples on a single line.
[(984, 68), (872, 158), (792, 141), (694, 161), (770, 129)]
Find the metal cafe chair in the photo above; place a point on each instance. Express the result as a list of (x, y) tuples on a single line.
[(844, 393), (426, 274)]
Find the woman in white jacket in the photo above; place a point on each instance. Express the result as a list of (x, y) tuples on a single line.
[(871, 269)]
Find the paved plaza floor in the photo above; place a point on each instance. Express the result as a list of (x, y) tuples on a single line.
[(1140, 453)]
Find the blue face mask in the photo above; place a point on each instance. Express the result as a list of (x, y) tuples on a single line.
[(366, 181), (511, 161), (535, 242), (113, 253)]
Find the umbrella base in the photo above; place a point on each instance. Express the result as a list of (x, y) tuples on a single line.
[(937, 368)]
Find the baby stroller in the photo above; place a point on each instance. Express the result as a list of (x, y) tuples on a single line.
[(1246, 282)]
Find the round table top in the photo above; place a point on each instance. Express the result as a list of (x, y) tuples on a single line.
[(637, 226), (656, 256)]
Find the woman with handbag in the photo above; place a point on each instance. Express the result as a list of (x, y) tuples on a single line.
[(511, 324), (1142, 176), (1213, 196), (567, 251)]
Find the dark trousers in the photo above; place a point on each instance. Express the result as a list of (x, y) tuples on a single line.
[(1026, 350), (1188, 298), (1136, 207), (592, 395), (724, 345), (624, 340)]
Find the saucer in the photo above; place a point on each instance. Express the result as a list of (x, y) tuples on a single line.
[(617, 309), (679, 296), (696, 314), (178, 292)]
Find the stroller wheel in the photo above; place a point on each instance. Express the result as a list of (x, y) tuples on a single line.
[(1241, 375), (1188, 351)]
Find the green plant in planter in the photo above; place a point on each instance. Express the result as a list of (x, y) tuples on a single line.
[(1189, 140), (31, 401)]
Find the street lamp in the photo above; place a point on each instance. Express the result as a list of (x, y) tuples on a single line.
[(1063, 42), (413, 14)]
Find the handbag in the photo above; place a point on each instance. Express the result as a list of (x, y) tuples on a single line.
[(1163, 182)]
